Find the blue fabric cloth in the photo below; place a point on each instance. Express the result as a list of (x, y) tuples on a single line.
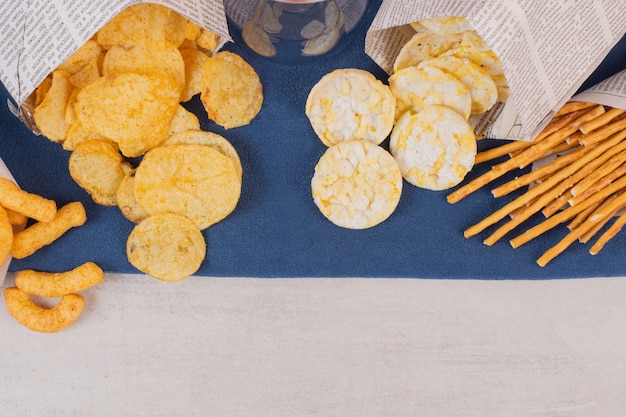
[(276, 230)]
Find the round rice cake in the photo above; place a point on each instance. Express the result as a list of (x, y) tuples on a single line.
[(98, 168), (349, 104), (416, 88), (231, 94), (166, 246), (356, 184), (482, 88), (435, 148), (422, 46), (197, 181), (131, 109)]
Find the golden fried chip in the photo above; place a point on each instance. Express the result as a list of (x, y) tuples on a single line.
[(232, 93), (167, 246), (86, 53), (208, 40), (89, 73), (6, 235), (77, 133), (133, 110), (435, 147), (29, 204), (38, 319), (201, 137), (40, 234), (175, 29), (138, 24), (49, 115), (349, 104), (196, 181), (192, 30), (58, 284), (42, 90), (145, 60), (183, 120), (195, 60), (98, 168), (356, 184), (126, 200)]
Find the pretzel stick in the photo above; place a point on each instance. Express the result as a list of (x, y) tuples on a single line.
[(558, 203), (615, 126), (603, 182), (572, 106), (595, 229), (534, 175), (609, 234), (501, 150), (602, 120), (526, 156), (566, 214), (580, 230), (580, 217), (589, 234), (612, 164), (576, 169)]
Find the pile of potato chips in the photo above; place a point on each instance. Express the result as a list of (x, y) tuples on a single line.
[(118, 99)]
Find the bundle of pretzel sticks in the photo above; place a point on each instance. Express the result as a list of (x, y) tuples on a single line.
[(583, 181)]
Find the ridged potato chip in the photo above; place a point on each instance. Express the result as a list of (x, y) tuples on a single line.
[(49, 115), (138, 24), (349, 104), (356, 184), (201, 137), (98, 167), (435, 147), (167, 246), (196, 181), (126, 200), (44, 320), (232, 93), (415, 88), (131, 109)]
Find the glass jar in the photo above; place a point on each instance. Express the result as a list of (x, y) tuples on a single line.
[(294, 31)]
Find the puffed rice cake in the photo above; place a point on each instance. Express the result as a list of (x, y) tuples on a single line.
[(349, 104), (435, 147), (356, 184)]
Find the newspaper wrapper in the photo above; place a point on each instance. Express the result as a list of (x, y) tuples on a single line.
[(547, 50), (36, 36)]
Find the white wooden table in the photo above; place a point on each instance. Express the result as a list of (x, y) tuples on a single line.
[(325, 347)]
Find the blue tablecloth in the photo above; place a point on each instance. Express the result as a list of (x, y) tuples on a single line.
[(276, 230)]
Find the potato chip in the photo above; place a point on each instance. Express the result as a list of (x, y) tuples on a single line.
[(138, 24), (415, 88), (42, 90), (422, 46), (98, 167), (77, 133), (49, 115), (175, 29), (232, 93), (58, 284), (435, 148), (483, 90), (192, 31), (356, 184), (133, 110), (30, 205), (38, 319), (167, 246), (89, 73), (350, 104), (208, 40), (194, 60), (145, 60), (196, 181), (6, 235), (88, 52), (183, 120), (126, 200), (201, 137)]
